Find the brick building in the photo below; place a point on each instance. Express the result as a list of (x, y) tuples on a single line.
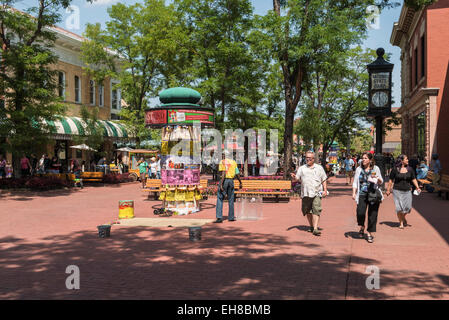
[(423, 38), (392, 139), (78, 89)]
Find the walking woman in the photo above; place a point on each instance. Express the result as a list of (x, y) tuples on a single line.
[(367, 179), (401, 178)]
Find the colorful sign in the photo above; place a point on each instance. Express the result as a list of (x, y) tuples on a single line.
[(180, 177), (190, 116), (156, 117)]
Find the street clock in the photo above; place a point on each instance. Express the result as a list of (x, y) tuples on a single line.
[(380, 73)]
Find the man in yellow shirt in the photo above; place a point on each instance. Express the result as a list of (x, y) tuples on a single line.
[(229, 171)]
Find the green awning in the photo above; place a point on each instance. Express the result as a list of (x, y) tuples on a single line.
[(76, 126)]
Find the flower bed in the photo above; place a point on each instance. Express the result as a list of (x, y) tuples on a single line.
[(33, 183), (117, 178)]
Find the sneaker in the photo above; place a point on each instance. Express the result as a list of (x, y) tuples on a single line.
[(218, 221), (231, 220), (316, 232)]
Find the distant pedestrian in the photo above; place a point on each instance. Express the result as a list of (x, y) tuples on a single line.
[(25, 166), (349, 167), (313, 188), (143, 169), (153, 168), (41, 165), (421, 172), (229, 171), (158, 167), (47, 163), (436, 168), (2, 167), (367, 179), (402, 177), (33, 164)]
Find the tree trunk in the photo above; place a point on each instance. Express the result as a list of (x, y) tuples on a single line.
[(288, 138)]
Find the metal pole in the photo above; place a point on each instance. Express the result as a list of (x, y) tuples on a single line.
[(379, 157)]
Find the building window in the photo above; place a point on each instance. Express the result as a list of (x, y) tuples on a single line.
[(115, 116), (416, 66), (101, 95), (115, 98), (61, 84), (423, 56), (420, 134), (92, 92), (77, 89)]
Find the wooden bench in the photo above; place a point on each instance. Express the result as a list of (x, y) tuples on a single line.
[(92, 176), (443, 186), (278, 188), (155, 186), (428, 179)]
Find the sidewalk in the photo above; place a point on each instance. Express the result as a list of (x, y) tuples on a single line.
[(273, 258)]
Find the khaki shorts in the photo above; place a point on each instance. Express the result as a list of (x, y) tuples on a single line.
[(311, 205), (350, 173)]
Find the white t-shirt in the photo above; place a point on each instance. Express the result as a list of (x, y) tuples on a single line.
[(311, 179), (153, 167)]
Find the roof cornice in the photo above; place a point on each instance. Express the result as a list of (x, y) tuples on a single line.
[(402, 27)]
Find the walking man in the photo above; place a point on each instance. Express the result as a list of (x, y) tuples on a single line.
[(229, 171), (313, 187), (349, 164)]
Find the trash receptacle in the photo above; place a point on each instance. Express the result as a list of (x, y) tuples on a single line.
[(248, 208), (126, 209), (104, 231), (195, 233)]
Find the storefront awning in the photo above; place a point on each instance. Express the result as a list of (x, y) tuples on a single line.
[(76, 126)]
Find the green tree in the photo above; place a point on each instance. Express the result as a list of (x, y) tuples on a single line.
[(302, 31), (142, 46), (27, 81), (224, 67), (93, 131)]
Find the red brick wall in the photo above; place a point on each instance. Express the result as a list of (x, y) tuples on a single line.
[(438, 72)]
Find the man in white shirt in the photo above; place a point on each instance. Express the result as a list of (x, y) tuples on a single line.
[(313, 187)]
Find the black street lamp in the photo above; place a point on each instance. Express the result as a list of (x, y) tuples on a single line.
[(379, 106)]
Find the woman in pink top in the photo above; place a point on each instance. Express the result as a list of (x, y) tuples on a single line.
[(25, 166)]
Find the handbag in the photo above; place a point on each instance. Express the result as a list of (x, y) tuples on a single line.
[(374, 196)]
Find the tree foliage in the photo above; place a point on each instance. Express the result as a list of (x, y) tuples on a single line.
[(142, 46), (27, 78)]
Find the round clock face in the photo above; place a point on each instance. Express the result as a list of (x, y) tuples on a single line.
[(380, 99)]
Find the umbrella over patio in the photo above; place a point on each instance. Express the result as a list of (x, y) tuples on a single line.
[(83, 147)]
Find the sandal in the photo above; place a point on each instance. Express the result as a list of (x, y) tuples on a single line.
[(362, 232), (370, 239)]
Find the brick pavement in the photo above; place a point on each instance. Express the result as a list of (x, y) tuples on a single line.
[(273, 258)]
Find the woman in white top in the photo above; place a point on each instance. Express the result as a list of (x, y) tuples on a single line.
[(367, 176)]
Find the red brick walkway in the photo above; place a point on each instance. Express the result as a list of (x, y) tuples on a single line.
[(273, 258)]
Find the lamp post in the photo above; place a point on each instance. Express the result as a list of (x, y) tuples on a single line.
[(379, 105)]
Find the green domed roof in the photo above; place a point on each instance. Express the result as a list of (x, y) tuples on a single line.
[(179, 95)]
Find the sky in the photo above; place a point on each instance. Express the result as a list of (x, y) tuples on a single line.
[(97, 12)]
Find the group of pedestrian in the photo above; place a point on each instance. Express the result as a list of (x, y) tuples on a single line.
[(366, 190), (5, 168), (151, 170)]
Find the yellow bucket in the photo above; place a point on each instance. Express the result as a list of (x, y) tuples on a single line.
[(126, 209)]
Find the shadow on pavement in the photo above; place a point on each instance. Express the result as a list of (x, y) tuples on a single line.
[(151, 263), (435, 210)]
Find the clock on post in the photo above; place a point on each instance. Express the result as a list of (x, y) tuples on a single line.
[(379, 105), (380, 74)]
